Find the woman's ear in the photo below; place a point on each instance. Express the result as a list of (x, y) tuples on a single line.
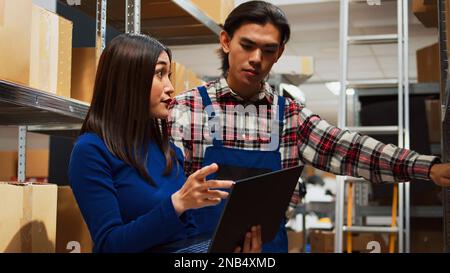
[(225, 41)]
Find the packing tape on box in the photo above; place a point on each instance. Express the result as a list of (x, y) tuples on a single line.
[(26, 221), (306, 65), (2, 12)]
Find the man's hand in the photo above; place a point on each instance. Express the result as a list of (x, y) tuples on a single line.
[(252, 241), (440, 174)]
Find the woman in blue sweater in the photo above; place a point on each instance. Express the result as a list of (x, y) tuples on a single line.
[(127, 178)]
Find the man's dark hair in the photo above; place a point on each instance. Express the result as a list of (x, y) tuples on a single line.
[(258, 12)]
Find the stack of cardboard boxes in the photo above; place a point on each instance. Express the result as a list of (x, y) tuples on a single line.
[(426, 12), (428, 68), (35, 48), (216, 10), (428, 62), (41, 217), (84, 69), (36, 51)]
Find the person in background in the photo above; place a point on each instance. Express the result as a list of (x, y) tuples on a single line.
[(126, 176), (272, 132)]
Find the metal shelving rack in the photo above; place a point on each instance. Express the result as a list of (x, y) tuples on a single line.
[(21, 105), (400, 226), (38, 111), (174, 22)]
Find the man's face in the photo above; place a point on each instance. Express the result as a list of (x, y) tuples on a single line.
[(252, 51)]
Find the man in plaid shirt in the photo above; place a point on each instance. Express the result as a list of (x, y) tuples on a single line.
[(242, 106)]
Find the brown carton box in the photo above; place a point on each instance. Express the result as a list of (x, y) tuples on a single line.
[(426, 12), (72, 234), (34, 47), (179, 78), (84, 68), (323, 242), (36, 164), (15, 40), (428, 68), (216, 10), (295, 241), (433, 110), (8, 165), (183, 78), (28, 217)]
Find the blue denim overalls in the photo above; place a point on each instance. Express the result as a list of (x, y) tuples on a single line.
[(235, 164)]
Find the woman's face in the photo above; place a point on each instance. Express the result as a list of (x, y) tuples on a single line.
[(161, 88)]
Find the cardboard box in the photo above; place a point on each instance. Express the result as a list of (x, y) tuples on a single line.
[(323, 242), (64, 57), (15, 40), (433, 110), (362, 243), (183, 78), (193, 80), (426, 12), (28, 217), (179, 81), (427, 241), (8, 165), (216, 10), (84, 69), (72, 234), (295, 241), (36, 164), (428, 68), (35, 47)]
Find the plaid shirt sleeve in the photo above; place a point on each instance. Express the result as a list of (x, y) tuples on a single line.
[(348, 153), (179, 131)]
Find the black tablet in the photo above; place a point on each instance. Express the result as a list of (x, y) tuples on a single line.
[(258, 200)]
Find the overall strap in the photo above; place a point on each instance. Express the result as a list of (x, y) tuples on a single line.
[(206, 100), (279, 121), (281, 105)]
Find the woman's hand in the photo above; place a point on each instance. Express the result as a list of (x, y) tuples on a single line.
[(252, 241), (198, 193)]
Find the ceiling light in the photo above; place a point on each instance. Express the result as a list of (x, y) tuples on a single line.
[(335, 87)]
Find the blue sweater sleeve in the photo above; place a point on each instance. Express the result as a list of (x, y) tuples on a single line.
[(91, 180)]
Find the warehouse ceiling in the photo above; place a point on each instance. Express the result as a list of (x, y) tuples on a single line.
[(315, 32)]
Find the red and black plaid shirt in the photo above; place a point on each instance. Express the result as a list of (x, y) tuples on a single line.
[(305, 138)]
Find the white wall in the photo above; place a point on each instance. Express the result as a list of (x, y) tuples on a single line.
[(46, 4), (9, 139)]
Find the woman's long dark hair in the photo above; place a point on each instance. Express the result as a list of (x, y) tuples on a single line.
[(119, 111)]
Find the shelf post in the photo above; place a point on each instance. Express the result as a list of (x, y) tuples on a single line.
[(133, 16), (22, 148), (100, 26)]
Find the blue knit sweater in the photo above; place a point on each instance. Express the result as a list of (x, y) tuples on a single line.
[(123, 212)]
